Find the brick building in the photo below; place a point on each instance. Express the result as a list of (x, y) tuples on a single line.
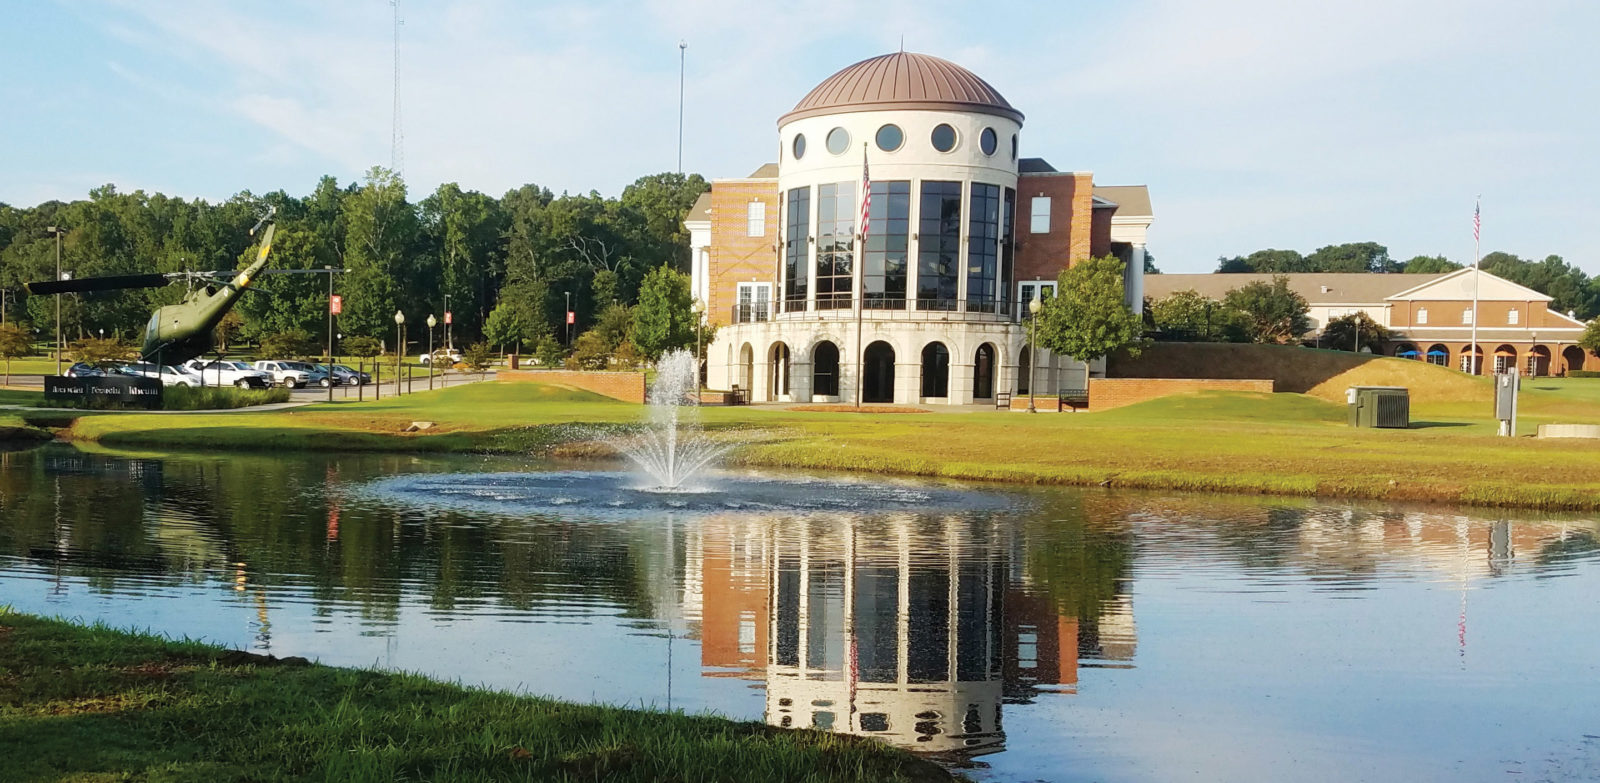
[(961, 234), (1429, 317)]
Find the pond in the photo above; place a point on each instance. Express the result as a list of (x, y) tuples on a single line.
[(1024, 634)]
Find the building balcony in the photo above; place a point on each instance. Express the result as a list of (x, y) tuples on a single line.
[(842, 307)]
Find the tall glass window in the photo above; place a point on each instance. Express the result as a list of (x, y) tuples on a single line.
[(1008, 221), (836, 240), (939, 246), (796, 262), (888, 242), (983, 248)]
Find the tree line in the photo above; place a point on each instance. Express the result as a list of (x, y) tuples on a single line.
[(1571, 289), (508, 267)]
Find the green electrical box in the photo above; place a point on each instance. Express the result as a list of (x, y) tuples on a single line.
[(1379, 406)]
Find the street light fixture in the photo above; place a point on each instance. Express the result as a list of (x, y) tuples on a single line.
[(698, 308), (1033, 349), (399, 347), (432, 322)]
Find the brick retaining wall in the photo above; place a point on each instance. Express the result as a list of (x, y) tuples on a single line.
[(625, 386), (1107, 393)]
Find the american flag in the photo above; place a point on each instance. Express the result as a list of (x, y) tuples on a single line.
[(1477, 221), (866, 193)]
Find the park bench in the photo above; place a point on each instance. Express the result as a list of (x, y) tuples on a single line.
[(1002, 400), (1076, 399)]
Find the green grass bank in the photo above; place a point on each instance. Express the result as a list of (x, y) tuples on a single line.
[(94, 704), (1288, 444)]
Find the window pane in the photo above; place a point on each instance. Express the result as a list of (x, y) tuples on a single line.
[(890, 138), (1039, 221), (836, 226), (799, 146), (838, 141), (983, 248), (987, 141), (796, 266), (939, 245), (888, 239), (944, 138)]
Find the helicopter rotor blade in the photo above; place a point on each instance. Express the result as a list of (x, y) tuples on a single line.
[(108, 283)]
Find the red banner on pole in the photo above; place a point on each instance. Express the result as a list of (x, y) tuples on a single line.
[(572, 317), (335, 304), (447, 316)]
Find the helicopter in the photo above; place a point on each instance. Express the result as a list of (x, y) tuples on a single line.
[(184, 331)]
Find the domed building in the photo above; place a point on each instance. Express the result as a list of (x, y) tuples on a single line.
[(890, 254)]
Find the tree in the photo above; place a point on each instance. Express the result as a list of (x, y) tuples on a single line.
[(362, 347), (1150, 263), (664, 319), (1272, 313), (1087, 318), (1189, 315), (102, 350), (1590, 341), (590, 351), (381, 228), (291, 344), (1352, 257), (477, 356), (1429, 265), (1269, 260), (14, 341), (515, 325), (662, 201), (1352, 332)]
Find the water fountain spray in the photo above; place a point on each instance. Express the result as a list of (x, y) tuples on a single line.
[(671, 450)]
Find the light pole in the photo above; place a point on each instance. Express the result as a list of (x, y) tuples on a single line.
[(683, 48), (399, 347), (57, 231), (696, 307), (432, 322), (568, 315), (1033, 349), (447, 319)]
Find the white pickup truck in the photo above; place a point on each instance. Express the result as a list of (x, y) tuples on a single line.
[(294, 375), (228, 373)]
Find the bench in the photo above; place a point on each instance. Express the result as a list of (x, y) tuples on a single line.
[(1002, 400), (1076, 399)]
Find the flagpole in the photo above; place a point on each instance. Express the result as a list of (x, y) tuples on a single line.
[(1474, 353), (859, 278)]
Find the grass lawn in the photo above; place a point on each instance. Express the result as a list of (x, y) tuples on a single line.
[(1236, 442), (92, 704)]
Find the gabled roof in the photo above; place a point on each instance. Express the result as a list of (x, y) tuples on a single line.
[(767, 171), (1456, 285), (1318, 288), (1035, 166), (701, 211), (1131, 200)]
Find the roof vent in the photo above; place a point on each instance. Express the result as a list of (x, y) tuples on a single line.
[(1324, 289)]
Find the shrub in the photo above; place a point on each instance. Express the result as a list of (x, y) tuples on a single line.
[(183, 398), (1583, 373)]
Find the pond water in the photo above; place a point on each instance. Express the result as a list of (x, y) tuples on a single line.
[(1054, 635)]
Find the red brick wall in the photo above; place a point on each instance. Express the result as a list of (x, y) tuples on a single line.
[(1100, 233), (625, 386), (1107, 393), (735, 256), (1043, 256)]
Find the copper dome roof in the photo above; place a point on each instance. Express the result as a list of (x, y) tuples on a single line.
[(902, 81)]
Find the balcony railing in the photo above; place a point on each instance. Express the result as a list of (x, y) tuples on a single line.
[(842, 306)]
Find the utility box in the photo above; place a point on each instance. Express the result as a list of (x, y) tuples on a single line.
[(1379, 406)]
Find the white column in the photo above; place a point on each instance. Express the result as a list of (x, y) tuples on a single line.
[(1135, 284)]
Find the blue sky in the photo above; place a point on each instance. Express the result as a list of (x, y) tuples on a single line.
[(1256, 123)]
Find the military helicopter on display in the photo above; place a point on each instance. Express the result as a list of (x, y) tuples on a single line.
[(184, 331)]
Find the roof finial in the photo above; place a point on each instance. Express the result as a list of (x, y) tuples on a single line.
[(902, 43)]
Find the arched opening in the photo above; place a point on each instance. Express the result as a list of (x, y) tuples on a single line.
[(983, 372), (1439, 354), (878, 383), (1538, 361), (1471, 360), (935, 370), (777, 371), (1505, 359), (1024, 370), (747, 368), (825, 369), (1406, 351), (1573, 356)]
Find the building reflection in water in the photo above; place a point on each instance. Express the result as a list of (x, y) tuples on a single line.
[(912, 629)]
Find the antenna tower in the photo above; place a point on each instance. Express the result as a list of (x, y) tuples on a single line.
[(397, 138)]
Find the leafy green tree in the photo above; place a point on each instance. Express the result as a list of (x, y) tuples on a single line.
[(14, 341), (1272, 313), (362, 347), (591, 351), (1269, 260), (1353, 332), (662, 201), (291, 344), (1189, 315), (282, 303), (514, 324), (1150, 263), (549, 352), (381, 227), (1352, 257), (463, 229), (1087, 318), (1590, 341), (477, 356), (664, 320), (1429, 265), (102, 350)]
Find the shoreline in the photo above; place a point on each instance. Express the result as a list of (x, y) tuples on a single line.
[(138, 703)]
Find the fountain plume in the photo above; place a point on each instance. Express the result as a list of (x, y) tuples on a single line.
[(671, 448)]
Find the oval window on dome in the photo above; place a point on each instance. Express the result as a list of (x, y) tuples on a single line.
[(799, 146), (944, 138), (838, 141), (987, 141), (890, 138)]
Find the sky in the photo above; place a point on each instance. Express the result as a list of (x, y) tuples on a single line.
[(1255, 123)]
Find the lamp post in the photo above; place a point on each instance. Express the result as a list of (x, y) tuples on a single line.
[(57, 231), (697, 308), (432, 322), (399, 347), (568, 315), (1033, 353), (448, 343)]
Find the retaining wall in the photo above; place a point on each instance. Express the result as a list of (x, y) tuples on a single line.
[(625, 386)]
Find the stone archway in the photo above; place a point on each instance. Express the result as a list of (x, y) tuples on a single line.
[(983, 372), (878, 373), (1573, 356), (777, 371), (1538, 361), (935, 370), (747, 369), (825, 369), (1471, 361), (1505, 359), (1439, 354)]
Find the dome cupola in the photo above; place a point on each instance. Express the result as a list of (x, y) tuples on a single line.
[(902, 80)]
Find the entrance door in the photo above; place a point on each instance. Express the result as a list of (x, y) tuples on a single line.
[(983, 373), (879, 371)]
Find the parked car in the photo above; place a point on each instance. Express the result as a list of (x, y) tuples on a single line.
[(85, 370), (445, 356), (345, 376), (293, 375), (167, 374), (227, 373)]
